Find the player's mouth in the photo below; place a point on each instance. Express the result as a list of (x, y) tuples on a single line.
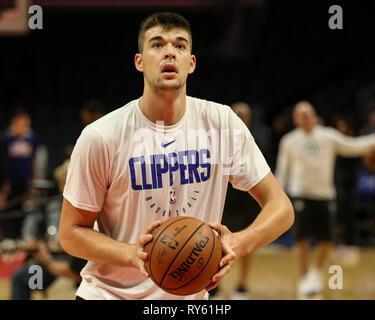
[(169, 70)]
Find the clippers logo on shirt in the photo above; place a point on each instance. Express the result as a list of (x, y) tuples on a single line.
[(177, 169), (174, 168)]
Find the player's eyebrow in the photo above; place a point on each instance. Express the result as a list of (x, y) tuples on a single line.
[(182, 39), (156, 38), (179, 38)]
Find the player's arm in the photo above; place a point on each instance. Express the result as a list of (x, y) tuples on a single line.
[(275, 218), (79, 239)]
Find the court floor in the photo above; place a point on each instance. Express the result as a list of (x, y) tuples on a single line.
[(272, 277)]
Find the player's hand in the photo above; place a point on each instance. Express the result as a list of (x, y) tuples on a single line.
[(142, 256), (229, 256)]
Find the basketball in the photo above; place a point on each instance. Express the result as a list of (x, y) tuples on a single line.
[(184, 254)]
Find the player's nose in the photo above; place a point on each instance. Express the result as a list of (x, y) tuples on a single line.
[(170, 52)]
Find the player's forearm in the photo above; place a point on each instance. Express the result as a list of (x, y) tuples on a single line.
[(276, 217), (95, 246)]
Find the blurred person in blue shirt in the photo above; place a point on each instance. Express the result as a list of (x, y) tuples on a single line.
[(19, 143)]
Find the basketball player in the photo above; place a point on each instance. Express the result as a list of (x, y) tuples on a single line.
[(141, 164), (305, 167)]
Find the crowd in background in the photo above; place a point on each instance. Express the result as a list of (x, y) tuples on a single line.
[(31, 200)]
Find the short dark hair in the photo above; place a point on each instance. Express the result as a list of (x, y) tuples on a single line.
[(167, 20)]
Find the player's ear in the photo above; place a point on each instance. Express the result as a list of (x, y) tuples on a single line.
[(138, 61), (193, 62)]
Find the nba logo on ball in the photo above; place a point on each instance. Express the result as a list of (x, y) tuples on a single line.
[(172, 196)]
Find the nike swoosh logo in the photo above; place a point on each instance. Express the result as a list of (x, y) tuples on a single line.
[(166, 144)]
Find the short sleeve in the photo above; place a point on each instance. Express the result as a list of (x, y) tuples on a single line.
[(87, 178), (249, 166)]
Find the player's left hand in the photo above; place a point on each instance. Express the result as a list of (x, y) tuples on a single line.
[(141, 255), (229, 256)]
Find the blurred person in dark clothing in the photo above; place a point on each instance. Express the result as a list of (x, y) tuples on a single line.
[(48, 255), (19, 143), (366, 189), (346, 173), (54, 263)]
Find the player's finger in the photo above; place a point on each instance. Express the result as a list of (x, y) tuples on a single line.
[(141, 267), (212, 285), (216, 226), (142, 254), (152, 226), (229, 255), (221, 273), (142, 240), (222, 230), (227, 259)]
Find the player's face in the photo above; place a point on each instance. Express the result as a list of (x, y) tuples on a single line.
[(166, 59)]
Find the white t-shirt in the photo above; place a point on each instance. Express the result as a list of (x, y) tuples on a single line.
[(306, 162), (134, 172)]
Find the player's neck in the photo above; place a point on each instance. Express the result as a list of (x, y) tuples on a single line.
[(166, 106)]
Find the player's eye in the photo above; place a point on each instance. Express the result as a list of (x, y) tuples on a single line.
[(157, 45), (180, 46)]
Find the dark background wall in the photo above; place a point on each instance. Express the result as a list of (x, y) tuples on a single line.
[(268, 53)]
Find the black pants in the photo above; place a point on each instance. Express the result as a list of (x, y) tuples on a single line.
[(79, 298), (314, 219)]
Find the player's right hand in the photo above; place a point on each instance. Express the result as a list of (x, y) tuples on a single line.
[(229, 256), (142, 256)]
